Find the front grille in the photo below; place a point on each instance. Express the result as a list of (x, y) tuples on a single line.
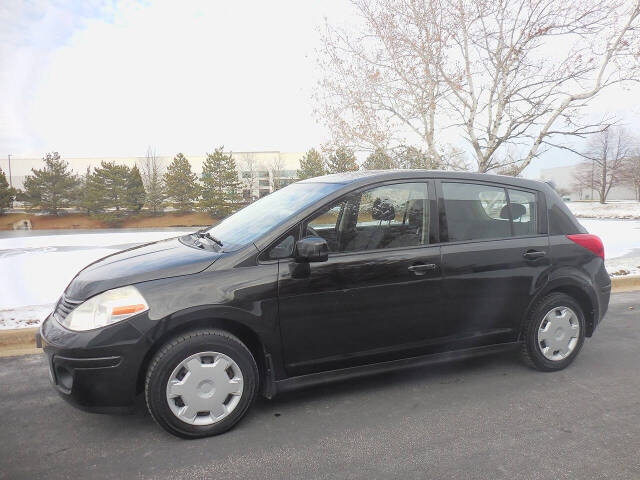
[(64, 307)]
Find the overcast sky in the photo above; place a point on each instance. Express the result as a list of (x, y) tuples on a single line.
[(108, 79)]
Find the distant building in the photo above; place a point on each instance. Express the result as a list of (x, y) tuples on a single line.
[(260, 172), (564, 180)]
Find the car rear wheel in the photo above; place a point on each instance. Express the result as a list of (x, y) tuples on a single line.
[(201, 383), (554, 332)]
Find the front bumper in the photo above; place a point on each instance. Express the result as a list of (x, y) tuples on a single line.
[(95, 370)]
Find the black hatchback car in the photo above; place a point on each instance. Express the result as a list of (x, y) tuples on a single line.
[(328, 278)]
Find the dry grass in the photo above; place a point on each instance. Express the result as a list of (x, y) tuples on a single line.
[(81, 221), (170, 220)]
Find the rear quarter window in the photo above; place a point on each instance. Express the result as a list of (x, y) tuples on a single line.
[(561, 220)]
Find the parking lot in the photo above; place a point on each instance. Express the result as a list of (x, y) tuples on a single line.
[(488, 417)]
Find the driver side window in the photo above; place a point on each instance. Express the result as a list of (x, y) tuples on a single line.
[(326, 224), (389, 216)]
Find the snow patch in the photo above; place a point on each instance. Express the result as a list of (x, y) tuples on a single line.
[(621, 210), (620, 237), (35, 269), (24, 317)]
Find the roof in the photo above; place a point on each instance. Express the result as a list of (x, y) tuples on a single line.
[(367, 176)]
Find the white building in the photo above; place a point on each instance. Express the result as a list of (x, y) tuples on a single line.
[(259, 171)]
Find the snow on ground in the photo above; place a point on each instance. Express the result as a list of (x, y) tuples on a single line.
[(24, 317), (620, 237), (35, 267), (612, 209)]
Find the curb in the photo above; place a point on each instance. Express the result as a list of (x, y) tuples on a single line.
[(625, 284), (22, 341), (19, 341)]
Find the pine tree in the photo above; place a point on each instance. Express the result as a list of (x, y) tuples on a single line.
[(234, 185), (180, 184), (91, 195), (220, 184), (109, 181), (379, 160), (7, 194), (136, 194), (52, 187), (342, 160), (311, 165)]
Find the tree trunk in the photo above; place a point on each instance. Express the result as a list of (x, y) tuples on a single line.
[(603, 183)]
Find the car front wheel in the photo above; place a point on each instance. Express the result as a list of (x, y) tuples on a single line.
[(201, 383)]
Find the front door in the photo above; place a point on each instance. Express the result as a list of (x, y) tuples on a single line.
[(378, 297)]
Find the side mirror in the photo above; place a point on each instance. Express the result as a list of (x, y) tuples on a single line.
[(312, 249)]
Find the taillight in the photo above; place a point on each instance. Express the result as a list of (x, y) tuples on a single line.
[(590, 242)]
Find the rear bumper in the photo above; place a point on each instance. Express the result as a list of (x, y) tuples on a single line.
[(95, 371)]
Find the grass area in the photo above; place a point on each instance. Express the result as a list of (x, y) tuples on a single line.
[(82, 221)]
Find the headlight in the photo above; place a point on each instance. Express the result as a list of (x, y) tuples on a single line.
[(106, 308)]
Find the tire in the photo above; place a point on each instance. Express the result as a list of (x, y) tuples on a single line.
[(547, 319), (201, 384)]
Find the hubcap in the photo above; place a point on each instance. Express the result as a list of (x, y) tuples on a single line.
[(558, 333), (204, 388)]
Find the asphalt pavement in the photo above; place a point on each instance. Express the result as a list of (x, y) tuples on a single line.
[(489, 417)]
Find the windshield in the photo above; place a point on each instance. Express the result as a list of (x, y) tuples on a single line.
[(253, 221)]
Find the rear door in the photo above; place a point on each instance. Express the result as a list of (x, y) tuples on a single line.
[(378, 296), (495, 251)]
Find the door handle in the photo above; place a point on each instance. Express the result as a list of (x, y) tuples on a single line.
[(533, 254), (422, 268)]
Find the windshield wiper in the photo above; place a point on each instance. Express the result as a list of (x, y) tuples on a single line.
[(208, 236)]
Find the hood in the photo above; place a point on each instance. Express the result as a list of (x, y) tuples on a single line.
[(152, 261)]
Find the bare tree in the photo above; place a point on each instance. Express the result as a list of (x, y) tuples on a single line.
[(631, 173), (249, 173), (583, 179), (608, 152), (512, 75), (151, 172), (276, 167), (381, 81)]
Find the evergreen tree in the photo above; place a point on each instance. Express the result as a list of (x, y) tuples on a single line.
[(180, 184), (136, 195), (341, 160), (92, 197), (109, 181), (234, 185), (7, 194), (220, 184), (52, 187), (311, 165), (379, 160)]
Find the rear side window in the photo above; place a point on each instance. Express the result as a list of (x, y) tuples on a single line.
[(524, 211), (475, 211), (493, 201)]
